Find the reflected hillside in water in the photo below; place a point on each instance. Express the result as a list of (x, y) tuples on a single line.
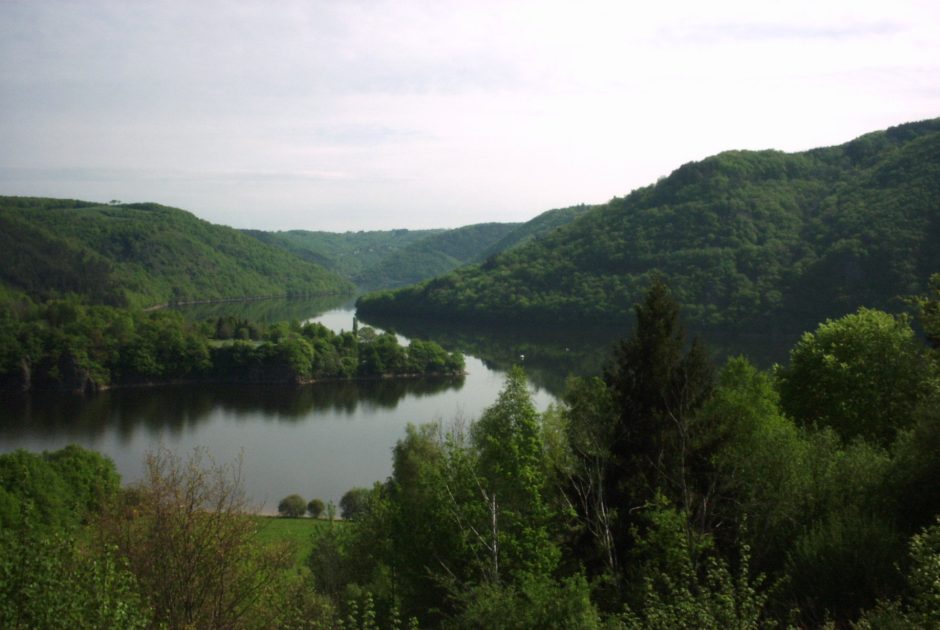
[(551, 355), (180, 408)]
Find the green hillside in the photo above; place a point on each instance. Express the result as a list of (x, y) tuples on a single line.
[(347, 253), (433, 255), (141, 255), (390, 258), (385, 259), (747, 240), (534, 228)]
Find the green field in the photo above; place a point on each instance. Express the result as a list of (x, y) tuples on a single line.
[(298, 531)]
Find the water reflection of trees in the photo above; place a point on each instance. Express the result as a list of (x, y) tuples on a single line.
[(180, 408), (550, 354)]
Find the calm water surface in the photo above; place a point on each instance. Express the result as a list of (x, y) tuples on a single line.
[(316, 441)]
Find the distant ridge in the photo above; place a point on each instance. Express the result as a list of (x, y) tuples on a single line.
[(534, 228), (390, 258), (142, 254), (393, 258), (747, 240)]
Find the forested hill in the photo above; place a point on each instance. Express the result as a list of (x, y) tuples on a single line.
[(390, 258), (539, 226), (141, 255), (346, 253), (433, 255), (393, 258), (757, 240)]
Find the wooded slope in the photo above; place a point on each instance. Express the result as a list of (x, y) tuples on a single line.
[(142, 254), (761, 240), (390, 258)]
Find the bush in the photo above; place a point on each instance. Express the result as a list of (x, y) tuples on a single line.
[(292, 506), (862, 375), (189, 537), (315, 508), (355, 503)]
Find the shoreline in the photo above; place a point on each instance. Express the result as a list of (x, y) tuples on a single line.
[(91, 390)]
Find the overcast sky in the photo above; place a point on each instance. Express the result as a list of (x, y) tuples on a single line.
[(354, 115)]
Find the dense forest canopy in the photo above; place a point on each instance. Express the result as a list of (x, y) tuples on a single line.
[(393, 258), (384, 259), (142, 255), (433, 255), (346, 253), (70, 346), (759, 240), (533, 228)]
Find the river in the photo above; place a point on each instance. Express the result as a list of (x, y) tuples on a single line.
[(317, 440)]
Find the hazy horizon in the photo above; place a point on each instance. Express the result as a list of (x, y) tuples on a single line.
[(377, 115)]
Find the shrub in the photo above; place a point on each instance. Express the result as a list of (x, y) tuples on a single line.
[(355, 503), (292, 506), (315, 508)]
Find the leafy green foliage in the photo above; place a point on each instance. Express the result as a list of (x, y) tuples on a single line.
[(924, 575), (50, 574), (912, 482), (433, 255), (54, 490), (762, 470), (142, 254), (354, 504), (347, 254), (315, 508), (928, 311), (187, 535), (862, 375), (391, 258), (747, 240), (658, 387), (538, 227), (292, 506), (71, 346), (677, 595), (510, 452), (829, 575), (49, 581), (462, 528), (535, 602)]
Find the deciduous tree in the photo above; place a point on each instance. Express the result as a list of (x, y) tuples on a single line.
[(189, 538), (862, 375)]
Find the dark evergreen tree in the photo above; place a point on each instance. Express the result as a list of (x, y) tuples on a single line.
[(656, 446)]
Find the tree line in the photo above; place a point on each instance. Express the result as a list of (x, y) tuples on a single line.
[(69, 345)]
